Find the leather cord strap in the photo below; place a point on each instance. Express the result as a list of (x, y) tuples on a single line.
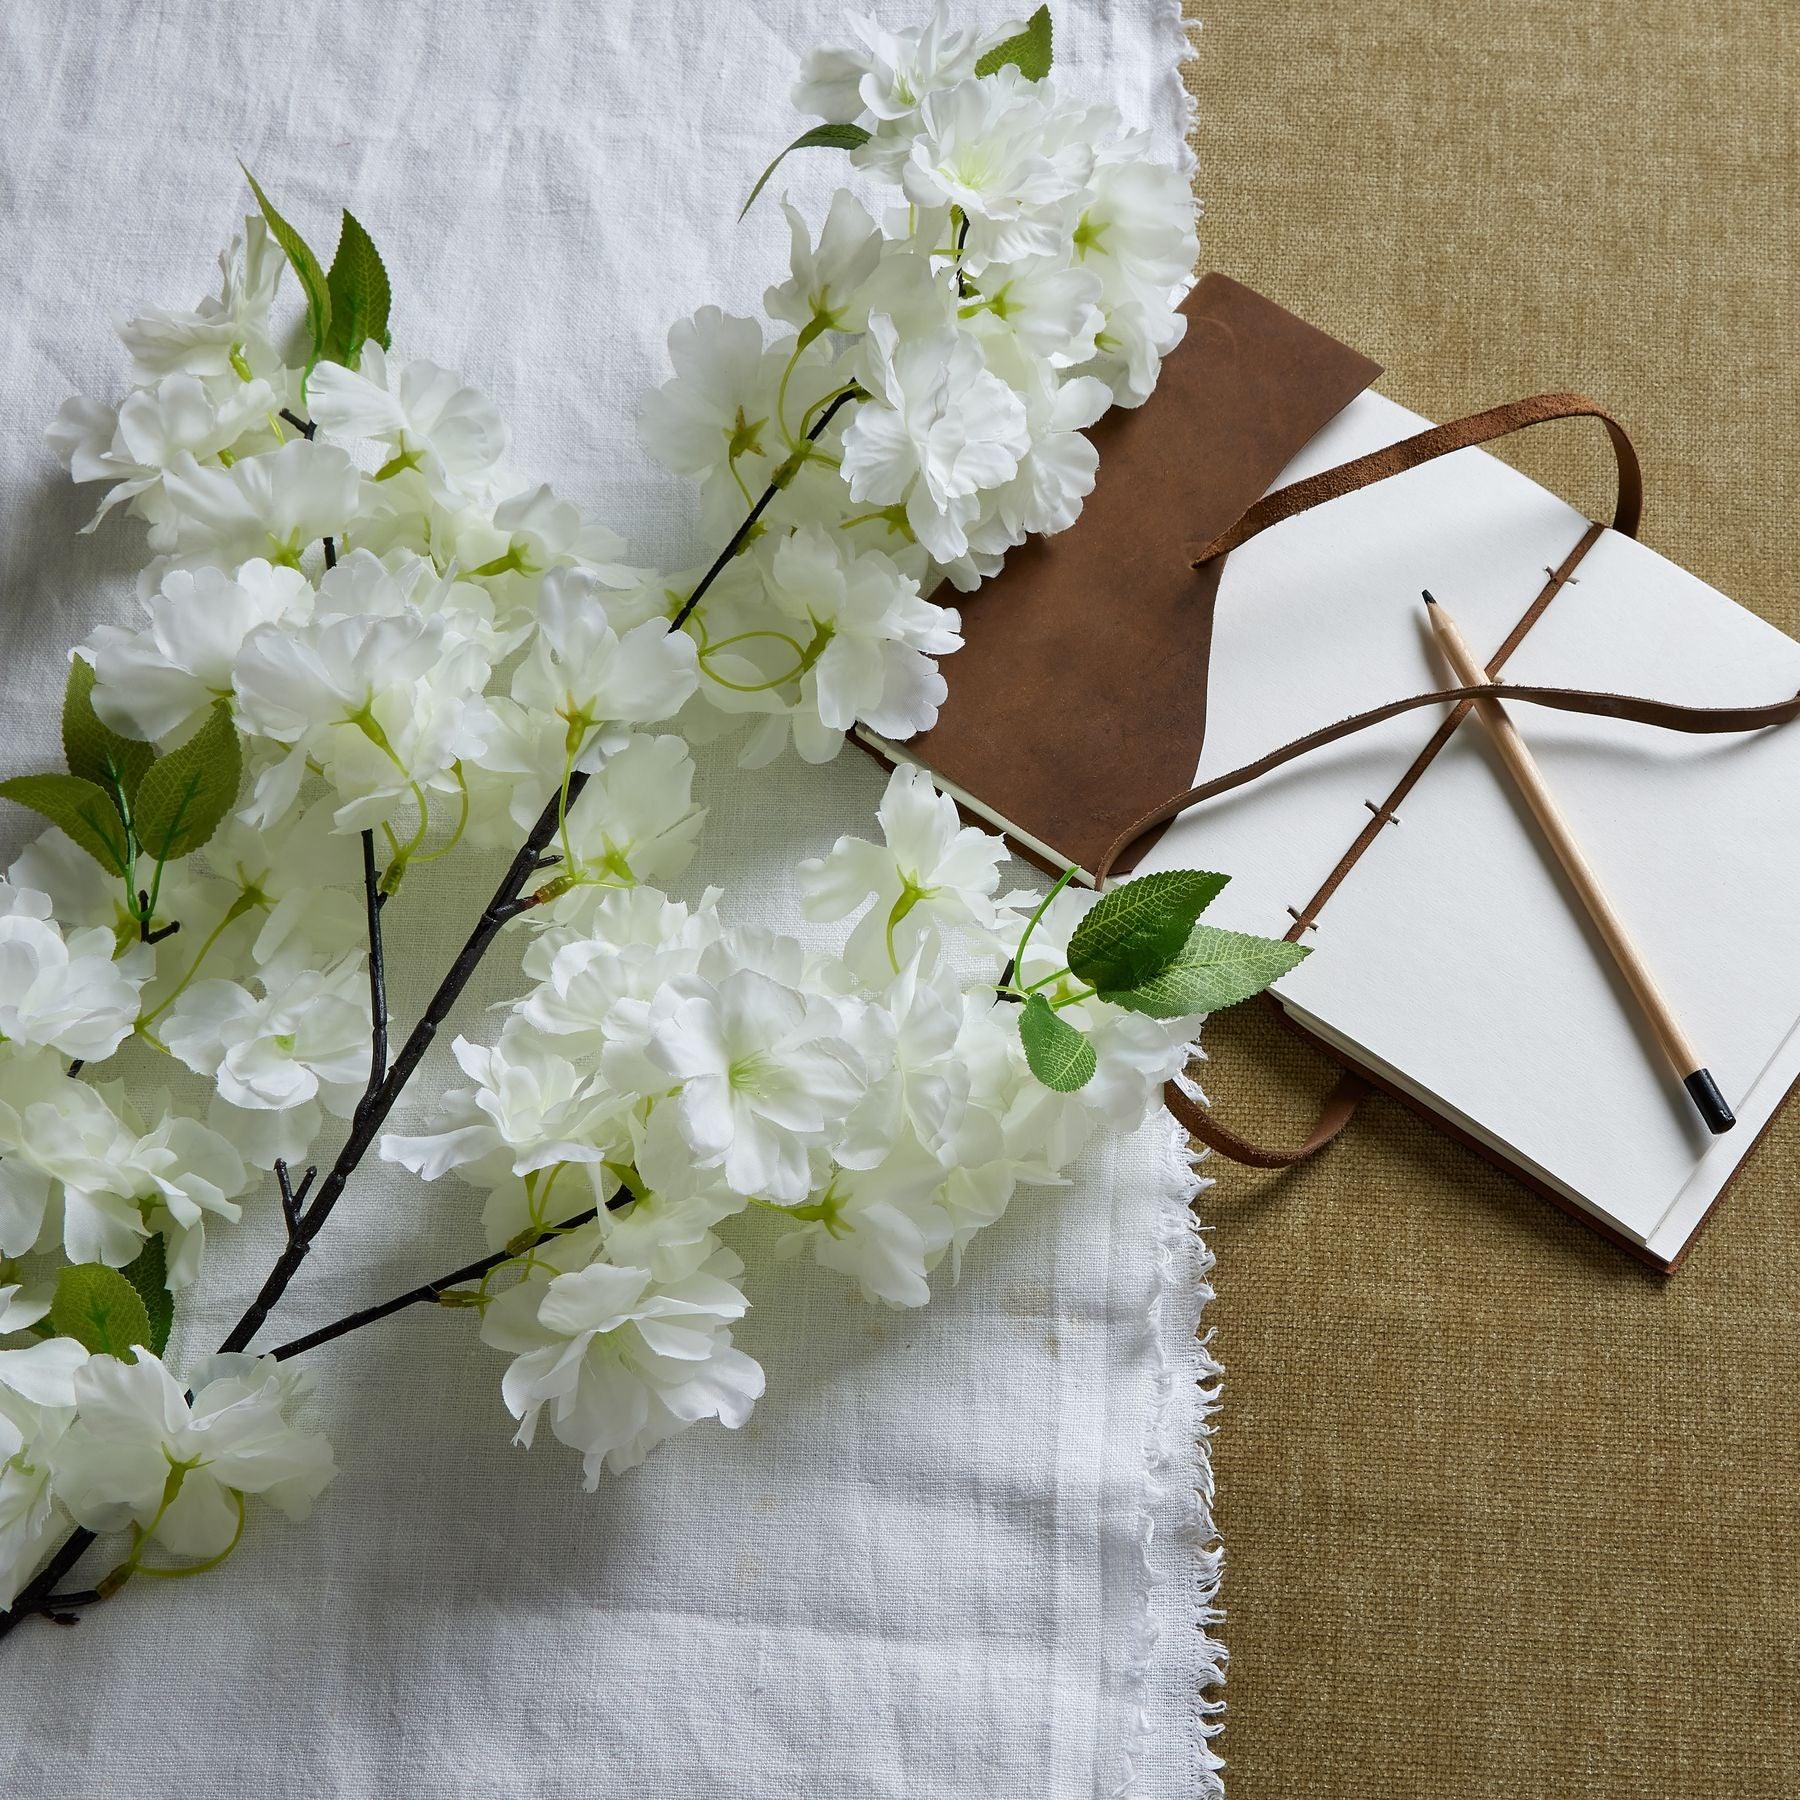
[(1337, 1112), (1664, 714), (1298, 497), (1441, 440)]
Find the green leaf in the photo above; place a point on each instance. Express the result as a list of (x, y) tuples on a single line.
[(85, 810), (1029, 52), (1060, 1056), (92, 749), (186, 793), (306, 266), (99, 1308), (147, 1273), (821, 137), (1213, 970), (360, 295), (1136, 929)]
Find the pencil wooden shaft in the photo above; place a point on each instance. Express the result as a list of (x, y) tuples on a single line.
[(1525, 771)]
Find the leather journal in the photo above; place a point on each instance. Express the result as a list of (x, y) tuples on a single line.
[(1225, 665)]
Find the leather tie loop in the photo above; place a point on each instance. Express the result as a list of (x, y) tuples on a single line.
[(1337, 1112), (1442, 440)]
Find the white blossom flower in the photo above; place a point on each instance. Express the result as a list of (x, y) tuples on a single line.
[(989, 148), (178, 417), (720, 418), (37, 1404), (825, 291), (224, 337), (879, 1226), (543, 532), (151, 682), (299, 881), (271, 506), (306, 1039), (530, 1108), (889, 73), (937, 430), (931, 873), (912, 1037), (635, 821), (141, 1453), (384, 706), (1046, 308), (867, 639), (763, 1073), (1057, 473), (621, 1360), (70, 993), (425, 415), (585, 673)]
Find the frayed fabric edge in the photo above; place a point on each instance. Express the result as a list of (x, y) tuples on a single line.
[(1180, 33), (1172, 1649)]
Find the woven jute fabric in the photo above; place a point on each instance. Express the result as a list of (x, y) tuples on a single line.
[(1507, 1514)]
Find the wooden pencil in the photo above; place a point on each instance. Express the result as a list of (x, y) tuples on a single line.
[(1522, 766)]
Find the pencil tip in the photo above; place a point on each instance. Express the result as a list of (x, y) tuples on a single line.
[(1428, 599)]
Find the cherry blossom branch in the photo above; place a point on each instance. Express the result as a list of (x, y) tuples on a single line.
[(741, 536), (509, 900), (374, 899), (430, 1291), (305, 1222)]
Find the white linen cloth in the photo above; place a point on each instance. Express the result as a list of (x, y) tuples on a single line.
[(958, 1552)]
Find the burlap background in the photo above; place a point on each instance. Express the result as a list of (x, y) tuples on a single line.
[(1506, 1514)]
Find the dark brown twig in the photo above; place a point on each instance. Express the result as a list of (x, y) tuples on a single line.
[(741, 535), (378, 1012), (432, 1290)]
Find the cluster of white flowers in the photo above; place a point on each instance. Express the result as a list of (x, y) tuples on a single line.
[(358, 622), (670, 1070), (1019, 273)]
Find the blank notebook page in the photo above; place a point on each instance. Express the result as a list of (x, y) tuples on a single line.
[(1455, 953)]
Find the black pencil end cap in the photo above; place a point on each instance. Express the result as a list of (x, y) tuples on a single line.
[(1710, 1102)]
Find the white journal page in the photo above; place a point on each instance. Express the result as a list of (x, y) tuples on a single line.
[(1455, 950)]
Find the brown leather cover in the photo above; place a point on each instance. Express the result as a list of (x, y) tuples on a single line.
[(1112, 611)]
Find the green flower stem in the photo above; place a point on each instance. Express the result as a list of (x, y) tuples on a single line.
[(212, 1562), (235, 911), (1031, 925), (809, 333), (830, 400), (462, 818)]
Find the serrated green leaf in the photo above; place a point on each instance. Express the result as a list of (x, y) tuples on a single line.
[(1139, 927), (100, 1309), (1030, 51), (1060, 1056), (1213, 970), (148, 1274), (186, 793), (312, 278), (821, 137), (86, 811), (92, 749), (360, 295)]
